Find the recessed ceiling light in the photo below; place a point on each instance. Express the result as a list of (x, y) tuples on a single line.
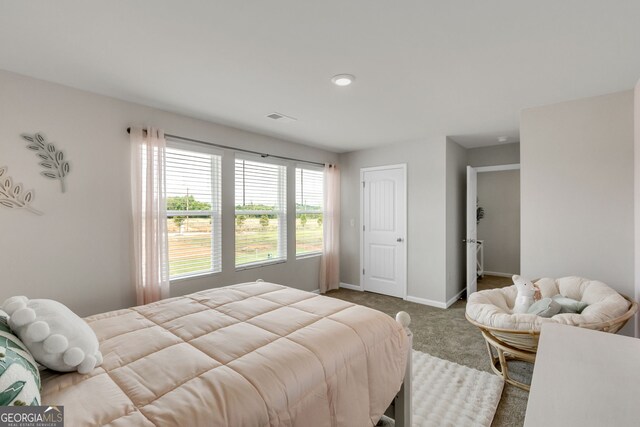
[(502, 139), (342, 79)]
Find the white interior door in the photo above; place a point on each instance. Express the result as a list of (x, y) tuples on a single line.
[(384, 225), (472, 231)]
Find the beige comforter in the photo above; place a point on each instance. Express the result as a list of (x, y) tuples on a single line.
[(255, 354)]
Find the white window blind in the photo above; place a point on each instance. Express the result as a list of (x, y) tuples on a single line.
[(309, 204), (261, 212), (193, 210)]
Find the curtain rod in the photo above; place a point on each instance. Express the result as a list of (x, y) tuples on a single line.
[(263, 155)]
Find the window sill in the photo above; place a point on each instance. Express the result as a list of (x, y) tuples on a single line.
[(309, 255), (260, 264), (194, 276)]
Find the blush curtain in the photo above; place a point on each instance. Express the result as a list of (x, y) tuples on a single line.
[(330, 263), (148, 198)]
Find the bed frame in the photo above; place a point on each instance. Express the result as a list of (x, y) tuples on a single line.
[(400, 408)]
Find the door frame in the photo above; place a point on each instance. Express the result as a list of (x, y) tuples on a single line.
[(481, 169), (402, 166), (498, 168), (470, 242)]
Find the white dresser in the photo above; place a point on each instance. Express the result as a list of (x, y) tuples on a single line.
[(584, 378)]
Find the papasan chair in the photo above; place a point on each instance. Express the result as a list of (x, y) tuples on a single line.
[(515, 336)]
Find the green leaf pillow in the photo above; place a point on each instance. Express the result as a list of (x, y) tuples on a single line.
[(19, 375)]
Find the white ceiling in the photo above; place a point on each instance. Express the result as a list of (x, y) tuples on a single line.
[(424, 69)]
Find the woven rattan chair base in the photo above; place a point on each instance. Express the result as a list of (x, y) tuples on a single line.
[(522, 346)]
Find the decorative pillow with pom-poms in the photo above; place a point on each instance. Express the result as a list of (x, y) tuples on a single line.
[(19, 375), (56, 337)]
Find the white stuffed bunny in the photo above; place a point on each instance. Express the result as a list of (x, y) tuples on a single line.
[(56, 337), (526, 293)]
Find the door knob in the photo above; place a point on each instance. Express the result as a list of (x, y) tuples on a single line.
[(399, 239), (469, 241)]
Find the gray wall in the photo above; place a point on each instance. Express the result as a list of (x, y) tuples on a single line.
[(499, 195), (577, 190), (426, 213), (502, 154), (456, 201), (79, 251)]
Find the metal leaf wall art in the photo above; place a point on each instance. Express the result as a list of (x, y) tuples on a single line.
[(53, 160), (12, 196)]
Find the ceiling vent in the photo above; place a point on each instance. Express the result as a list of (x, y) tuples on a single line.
[(281, 118)]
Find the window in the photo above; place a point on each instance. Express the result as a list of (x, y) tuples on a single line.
[(309, 201), (193, 209), (261, 217)]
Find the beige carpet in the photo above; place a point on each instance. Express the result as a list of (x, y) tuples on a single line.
[(491, 282), (446, 334)]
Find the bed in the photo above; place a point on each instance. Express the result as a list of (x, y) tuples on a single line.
[(253, 354)]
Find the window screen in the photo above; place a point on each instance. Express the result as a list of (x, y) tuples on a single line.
[(193, 210), (309, 201), (261, 217)]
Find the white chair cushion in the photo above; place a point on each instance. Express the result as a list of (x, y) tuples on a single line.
[(494, 307)]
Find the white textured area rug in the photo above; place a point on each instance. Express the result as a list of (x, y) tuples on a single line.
[(448, 394)]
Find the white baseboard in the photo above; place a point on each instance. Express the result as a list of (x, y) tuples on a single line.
[(352, 287), (317, 291), (497, 273), (455, 298), (418, 300), (424, 301)]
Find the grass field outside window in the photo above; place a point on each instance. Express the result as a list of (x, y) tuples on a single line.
[(190, 248)]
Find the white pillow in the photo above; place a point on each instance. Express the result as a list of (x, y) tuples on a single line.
[(56, 337)]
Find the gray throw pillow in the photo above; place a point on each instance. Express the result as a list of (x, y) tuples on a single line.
[(546, 307), (569, 305)]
